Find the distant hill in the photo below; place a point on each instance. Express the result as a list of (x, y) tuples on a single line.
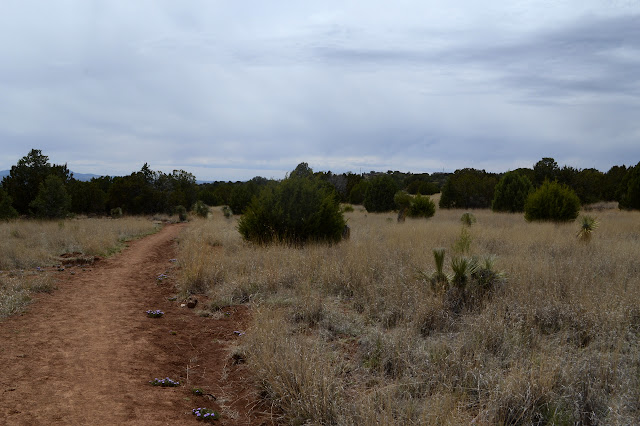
[(85, 177)]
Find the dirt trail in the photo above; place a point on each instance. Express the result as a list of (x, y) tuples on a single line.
[(85, 354)]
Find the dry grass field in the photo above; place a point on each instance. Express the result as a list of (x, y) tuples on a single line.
[(356, 334), (26, 245)]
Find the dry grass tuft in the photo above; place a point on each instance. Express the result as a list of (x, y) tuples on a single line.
[(355, 333)]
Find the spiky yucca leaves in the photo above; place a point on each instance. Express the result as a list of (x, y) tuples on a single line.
[(439, 281), (485, 276), (463, 267), (588, 224)]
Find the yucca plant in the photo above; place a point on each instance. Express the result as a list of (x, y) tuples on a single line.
[(588, 224), (485, 276), (463, 267), (439, 280)]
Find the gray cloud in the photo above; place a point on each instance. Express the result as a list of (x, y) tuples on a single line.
[(107, 86)]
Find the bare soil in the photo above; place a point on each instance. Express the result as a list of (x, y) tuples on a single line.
[(85, 353)]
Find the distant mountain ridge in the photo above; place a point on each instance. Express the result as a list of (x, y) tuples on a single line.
[(85, 177)]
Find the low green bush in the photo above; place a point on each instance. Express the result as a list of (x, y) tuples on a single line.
[(422, 206), (200, 209), (295, 211), (552, 202), (116, 212)]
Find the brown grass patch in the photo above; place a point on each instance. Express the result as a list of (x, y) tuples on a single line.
[(558, 343)]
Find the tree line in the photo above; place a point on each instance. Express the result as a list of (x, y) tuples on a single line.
[(471, 188), (37, 188)]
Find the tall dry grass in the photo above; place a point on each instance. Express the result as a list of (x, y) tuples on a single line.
[(354, 333), (31, 243), (28, 244)]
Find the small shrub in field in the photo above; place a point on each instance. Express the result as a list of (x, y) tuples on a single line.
[(468, 219), (439, 280), (155, 313), (422, 206), (485, 276), (463, 267), (116, 212), (181, 212), (588, 224), (200, 209), (418, 206), (553, 202), (403, 200), (226, 211), (295, 211)]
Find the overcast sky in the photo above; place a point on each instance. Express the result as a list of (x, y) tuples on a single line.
[(229, 90)]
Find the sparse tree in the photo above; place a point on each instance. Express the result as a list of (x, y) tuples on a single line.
[(23, 182)]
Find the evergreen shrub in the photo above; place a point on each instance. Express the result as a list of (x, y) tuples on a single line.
[(552, 202), (295, 211)]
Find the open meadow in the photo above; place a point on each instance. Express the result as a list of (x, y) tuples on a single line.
[(29, 247), (361, 332)]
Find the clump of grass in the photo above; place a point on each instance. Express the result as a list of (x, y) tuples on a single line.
[(16, 291), (227, 212)]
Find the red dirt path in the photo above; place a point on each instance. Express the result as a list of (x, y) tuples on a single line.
[(85, 354)]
